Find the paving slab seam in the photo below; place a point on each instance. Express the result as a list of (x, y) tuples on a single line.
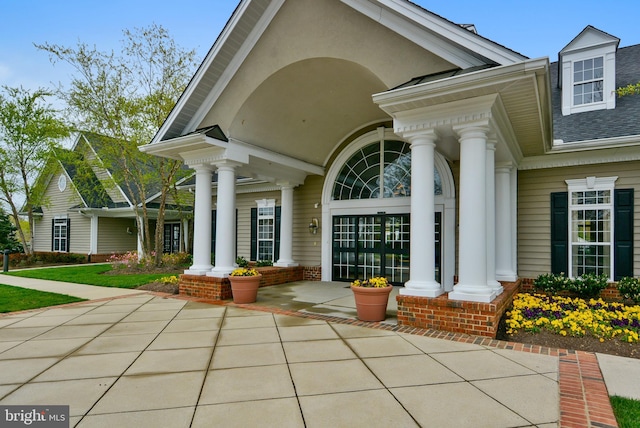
[(590, 407), (122, 374)]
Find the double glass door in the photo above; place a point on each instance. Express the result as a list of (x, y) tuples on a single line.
[(365, 246)]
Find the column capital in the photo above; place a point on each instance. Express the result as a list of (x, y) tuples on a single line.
[(422, 137), (202, 167), (504, 167), (479, 129), (226, 165)]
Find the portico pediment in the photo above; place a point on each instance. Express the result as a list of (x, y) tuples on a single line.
[(249, 161)]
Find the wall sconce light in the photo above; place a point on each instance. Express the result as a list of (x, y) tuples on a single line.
[(313, 226)]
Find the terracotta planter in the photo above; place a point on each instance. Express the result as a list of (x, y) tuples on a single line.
[(371, 303), (245, 288)]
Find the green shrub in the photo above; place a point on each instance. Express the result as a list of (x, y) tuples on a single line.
[(176, 260), (588, 285), (629, 289), (242, 262), (551, 282), (263, 263)]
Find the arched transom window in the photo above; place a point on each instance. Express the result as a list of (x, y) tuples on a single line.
[(378, 170)]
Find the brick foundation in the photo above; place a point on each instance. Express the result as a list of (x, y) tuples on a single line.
[(440, 313), (312, 273), (211, 288)]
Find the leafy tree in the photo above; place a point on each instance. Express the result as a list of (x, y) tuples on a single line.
[(127, 97), (7, 234), (29, 130), (628, 90)]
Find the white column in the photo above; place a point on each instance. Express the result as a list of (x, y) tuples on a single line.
[(185, 235), (422, 270), (504, 270), (202, 222), (491, 216), (286, 228), (472, 259), (225, 221), (93, 245)]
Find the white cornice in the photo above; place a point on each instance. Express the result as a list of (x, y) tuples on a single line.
[(577, 158)]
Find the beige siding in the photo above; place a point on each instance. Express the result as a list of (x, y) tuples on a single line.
[(113, 236), (534, 209), (57, 203), (306, 247)]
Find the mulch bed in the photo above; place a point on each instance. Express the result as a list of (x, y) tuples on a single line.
[(586, 343)]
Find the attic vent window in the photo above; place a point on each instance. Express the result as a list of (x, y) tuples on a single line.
[(62, 183), (588, 81)]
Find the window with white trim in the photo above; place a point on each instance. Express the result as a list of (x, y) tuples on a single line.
[(60, 241), (588, 81), (591, 226), (266, 229)]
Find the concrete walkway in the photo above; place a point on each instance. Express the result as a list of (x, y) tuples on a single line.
[(149, 360), (89, 292)]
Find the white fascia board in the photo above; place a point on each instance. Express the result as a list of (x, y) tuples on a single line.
[(236, 62), (394, 14), (464, 82), (202, 70), (229, 72), (177, 148)]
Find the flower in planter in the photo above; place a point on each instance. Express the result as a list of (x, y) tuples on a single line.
[(375, 282), (244, 272)]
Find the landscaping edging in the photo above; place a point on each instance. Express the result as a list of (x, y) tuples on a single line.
[(440, 313)]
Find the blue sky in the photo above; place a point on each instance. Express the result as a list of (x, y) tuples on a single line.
[(535, 29)]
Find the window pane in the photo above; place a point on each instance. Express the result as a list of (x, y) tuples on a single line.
[(397, 169), (590, 259)]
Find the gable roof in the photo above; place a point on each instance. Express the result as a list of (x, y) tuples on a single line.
[(251, 18), (601, 124)]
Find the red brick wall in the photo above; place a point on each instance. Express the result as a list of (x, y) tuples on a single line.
[(211, 288), (312, 273), (480, 319)]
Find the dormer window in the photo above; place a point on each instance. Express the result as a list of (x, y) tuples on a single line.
[(588, 81), (587, 72)]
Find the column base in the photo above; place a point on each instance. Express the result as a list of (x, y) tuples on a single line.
[(473, 294), (506, 276), (495, 286), (422, 289), (285, 263), (198, 270), (220, 272)]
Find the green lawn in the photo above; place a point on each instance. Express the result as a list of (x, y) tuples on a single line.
[(627, 412), (14, 299), (91, 275)]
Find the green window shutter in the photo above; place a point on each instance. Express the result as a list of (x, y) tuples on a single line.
[(276, 244), (623, 233), (254, 234), (53, 234), (560, 232), (68, 235)]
